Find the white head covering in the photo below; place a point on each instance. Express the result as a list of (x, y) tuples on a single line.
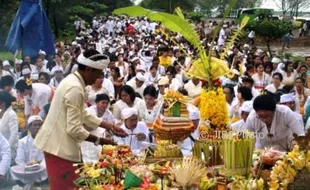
[(42, 52), (6, 63), (26, 71), (74, 43), (134, 59), (100, 64), (128, 112), (56, 68), (140, 76), (247, 106), (34, 118), (18, 61), (275, 60), (34, 76), (141, 67), (246, 46), (163, 81), (287, 98)]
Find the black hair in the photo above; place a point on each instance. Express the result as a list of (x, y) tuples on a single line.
[(128, 90), (246, 93), (279, 75), (278, 94), (101, 97), (287, 88), (172, 71), (264, 102), (302, 80), (259, 64), (286, 64), (25, 64), (22, 85), (117, 71), (303, 66), (7, 98), (138, 95), (153, 67), (248, 79), (231, 89), (134, 72), (88, 53), (6, 81), (46, 76), (181, 58), (183, 91), (150, 90)]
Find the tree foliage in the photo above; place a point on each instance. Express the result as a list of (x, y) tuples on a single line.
[(169, 5), (269, 29)]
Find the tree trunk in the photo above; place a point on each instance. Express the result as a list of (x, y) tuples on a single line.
[(268, 48), (297, 7)]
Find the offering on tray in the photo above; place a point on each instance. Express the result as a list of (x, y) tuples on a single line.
[(173, 128), (167, 149), (270, 157), (33, 165)]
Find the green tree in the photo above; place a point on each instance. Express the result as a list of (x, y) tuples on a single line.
[(269, 29), (169, 5), (8, 10)]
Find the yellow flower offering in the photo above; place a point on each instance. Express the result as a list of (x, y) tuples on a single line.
[(213, 107)]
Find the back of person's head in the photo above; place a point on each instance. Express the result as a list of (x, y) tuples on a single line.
[(6, 81), (264, 102), (23, 85), (183, 91), (6, 98), (246, 93), (90, 54), (100, 97)]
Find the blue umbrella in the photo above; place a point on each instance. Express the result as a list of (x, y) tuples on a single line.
[(30, 32)]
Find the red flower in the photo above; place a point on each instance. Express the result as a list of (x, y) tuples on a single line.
[(105, 164), (146, 182)]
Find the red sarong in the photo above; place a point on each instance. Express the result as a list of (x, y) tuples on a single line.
[(60, 173)]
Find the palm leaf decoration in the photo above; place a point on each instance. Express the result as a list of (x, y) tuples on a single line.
[(235, 36)]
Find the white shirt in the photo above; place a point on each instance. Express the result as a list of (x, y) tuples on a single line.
[(91, 94), (188, 144), (9, 129), (289, 80), (192, 89), (27, 151), (41, 94), (150, 115), (5, 156), (260, 84), (272, 88), (222, 37), (120, 105), (54, 83), (89, 150), (239, 125), (175, 84), (138, 90), (131, 139), (284, 125), (107, 84)]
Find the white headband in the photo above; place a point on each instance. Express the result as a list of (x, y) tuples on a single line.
[(34, 118), (100, 64)]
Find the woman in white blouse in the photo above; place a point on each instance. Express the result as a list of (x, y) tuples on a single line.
[(261, 79), (289, 74), (95, 89), (8, 121), (128, 99), (152, 105), (276, 83)]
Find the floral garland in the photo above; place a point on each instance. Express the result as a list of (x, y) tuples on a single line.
[(284, 172), (213, 107), (28, 82)]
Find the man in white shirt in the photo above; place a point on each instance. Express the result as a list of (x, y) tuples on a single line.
[(137, 131), (28, 153), (188, 144), (273, 124), (89, 150), (58, 74), (5, 158), (222, 36), (137, 83), (240, 125), (107, 83), (289, 101), (193, 87)]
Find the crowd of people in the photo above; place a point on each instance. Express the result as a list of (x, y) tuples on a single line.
[(144, 63)]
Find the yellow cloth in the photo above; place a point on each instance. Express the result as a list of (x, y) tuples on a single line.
[(63, 128)]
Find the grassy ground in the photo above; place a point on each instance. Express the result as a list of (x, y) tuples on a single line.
[(6, 56)]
